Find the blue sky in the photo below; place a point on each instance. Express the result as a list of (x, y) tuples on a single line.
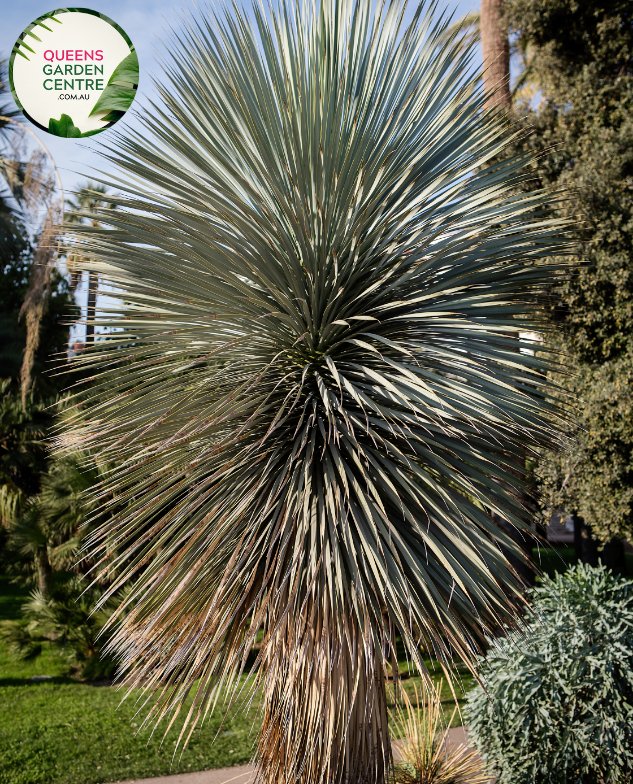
[(145, 21)]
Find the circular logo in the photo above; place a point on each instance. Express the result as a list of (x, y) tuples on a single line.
[(73, 72)]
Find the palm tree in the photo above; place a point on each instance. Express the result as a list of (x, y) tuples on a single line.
[(83, 209), (313, 393), (495, 47), (32, 186), (44, 531), (12, 233)]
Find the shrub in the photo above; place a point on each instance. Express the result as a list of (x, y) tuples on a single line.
[(69, 619), (557, 701)]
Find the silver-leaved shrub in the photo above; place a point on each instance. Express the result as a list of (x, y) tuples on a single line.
[(556, 701)]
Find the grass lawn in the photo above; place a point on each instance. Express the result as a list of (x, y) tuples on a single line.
[(62, 731), (59, 731)]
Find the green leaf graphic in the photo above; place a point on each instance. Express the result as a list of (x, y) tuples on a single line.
[(63, 127), (126, 70), (113, 116), (118, 94), (16, 49), (114, 97)]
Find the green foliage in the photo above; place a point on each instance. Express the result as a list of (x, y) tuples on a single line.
[(580, 56), (13, 239), (64, 127), (570, 36), (23, 425), (120, 91), (44, 534), (556, 705), (54, 520), (12, 596), (68, 618), (54, 327), (22, 449)]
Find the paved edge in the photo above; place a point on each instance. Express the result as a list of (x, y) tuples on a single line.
[(240, 774), (243, 774)]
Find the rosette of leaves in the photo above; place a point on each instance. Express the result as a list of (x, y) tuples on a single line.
[(312, 388), (556, 705)]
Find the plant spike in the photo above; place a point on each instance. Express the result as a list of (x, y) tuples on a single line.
[(313, 392)]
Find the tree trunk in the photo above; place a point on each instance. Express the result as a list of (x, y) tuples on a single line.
[(93, 283), (586, 549), (36, 299), (325, 706), (588, 545), (612, 556), (577, 537), (44, 572), (495, 48)]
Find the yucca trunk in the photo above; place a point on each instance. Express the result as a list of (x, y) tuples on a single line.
[(325, 711)]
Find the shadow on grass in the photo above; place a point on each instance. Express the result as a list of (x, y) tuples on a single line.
[(56, 681)]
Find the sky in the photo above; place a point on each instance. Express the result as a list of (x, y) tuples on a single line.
[(146, 22)]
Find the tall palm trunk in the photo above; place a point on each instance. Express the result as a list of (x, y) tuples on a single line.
[(93, 283), (496, 58), (44, 571), (496, 55)]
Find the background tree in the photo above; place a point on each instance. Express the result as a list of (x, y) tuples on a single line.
[(495, 50), (43, 540), (315, 383), (25, 368), (490, 29), (84, 208), (580, 57), (43, 508), (32, 185)]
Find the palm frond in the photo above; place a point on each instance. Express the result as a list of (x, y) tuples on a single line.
[(313, 388)]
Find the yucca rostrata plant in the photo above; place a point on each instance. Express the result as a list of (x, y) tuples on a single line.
[(315, 397)]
